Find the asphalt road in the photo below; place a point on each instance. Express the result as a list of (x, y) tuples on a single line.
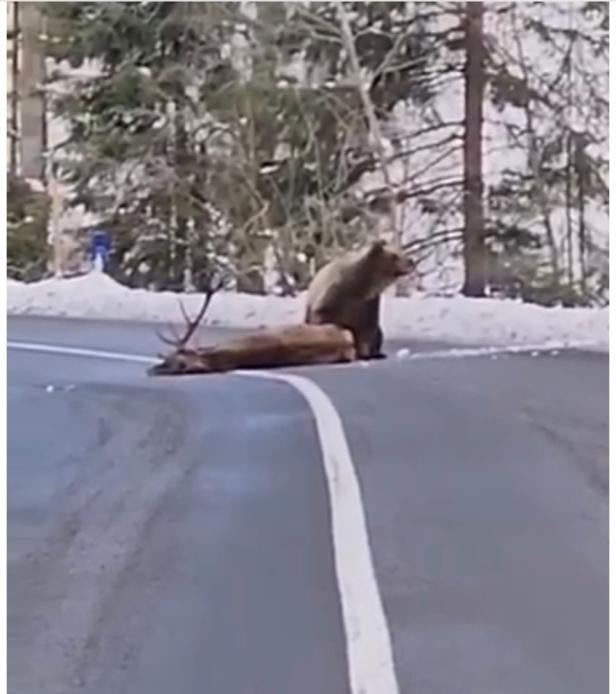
[(174, 535)]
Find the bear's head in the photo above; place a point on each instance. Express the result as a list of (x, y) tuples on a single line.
[(386, 264)]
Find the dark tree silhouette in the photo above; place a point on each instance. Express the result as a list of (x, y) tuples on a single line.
[(474, 80)]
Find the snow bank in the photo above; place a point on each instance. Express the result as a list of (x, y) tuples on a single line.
[(458, 319), (494, 321)]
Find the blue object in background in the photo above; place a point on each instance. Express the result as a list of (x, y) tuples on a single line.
[(100, 245)]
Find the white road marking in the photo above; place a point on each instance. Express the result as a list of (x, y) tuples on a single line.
[(368, 641), (450, 353), (80, 352), (369, 652), (553, 347)]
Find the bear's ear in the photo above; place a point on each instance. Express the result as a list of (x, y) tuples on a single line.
[(377, 247)]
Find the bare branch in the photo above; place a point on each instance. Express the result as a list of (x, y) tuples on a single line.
[(373, 124), (434, 239)]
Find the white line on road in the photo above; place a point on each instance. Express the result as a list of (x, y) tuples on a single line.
[(369, 652), (463, 352), (79, 352), (368, 641), (449, 353)]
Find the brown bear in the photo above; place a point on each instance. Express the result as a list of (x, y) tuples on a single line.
[(295, 345), (347, 292)]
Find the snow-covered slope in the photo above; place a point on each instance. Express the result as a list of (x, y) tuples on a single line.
[(458, 319)]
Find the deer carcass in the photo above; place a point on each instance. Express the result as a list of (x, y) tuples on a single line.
[(294, 345)]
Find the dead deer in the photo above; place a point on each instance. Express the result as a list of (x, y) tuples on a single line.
[(294, 345)]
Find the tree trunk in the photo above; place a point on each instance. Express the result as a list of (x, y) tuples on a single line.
[(14, 134), (580, 167), (181, 222), (474, 227), (32, 102), (568, 206)]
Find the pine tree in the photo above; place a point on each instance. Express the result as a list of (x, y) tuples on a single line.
[(174, 124), (215, 130), (546, 65), (135, 153), (26, 232)]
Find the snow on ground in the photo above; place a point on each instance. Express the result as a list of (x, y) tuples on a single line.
[(458, 319)]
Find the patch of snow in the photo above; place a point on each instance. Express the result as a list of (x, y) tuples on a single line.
[(492, 321), (420, 317), (36, 185)]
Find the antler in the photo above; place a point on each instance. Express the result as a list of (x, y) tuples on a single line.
[(180, 341)]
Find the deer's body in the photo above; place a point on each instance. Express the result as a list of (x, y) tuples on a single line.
[(295, 345)]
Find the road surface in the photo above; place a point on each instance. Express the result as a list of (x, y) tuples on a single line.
[(175, 535)]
